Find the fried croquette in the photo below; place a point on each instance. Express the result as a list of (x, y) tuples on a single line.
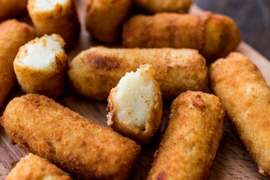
[(191, 139), (67, 139), (246, 98), (55, 16), (32, 167), (156, 6), (213, 35), (13, 34), (11, 8), (94, 72), (41, 64), (135, 105), (105, 18)]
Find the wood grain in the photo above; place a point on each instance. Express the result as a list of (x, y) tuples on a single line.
[(232, 161)]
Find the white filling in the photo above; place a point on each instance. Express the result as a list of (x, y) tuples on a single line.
[(49, 177), (134, 97), (41, 53), (48, 4)]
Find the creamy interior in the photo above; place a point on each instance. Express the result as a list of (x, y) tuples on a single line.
[(50, 177), (41, 52), (48, 4), (134, 97)]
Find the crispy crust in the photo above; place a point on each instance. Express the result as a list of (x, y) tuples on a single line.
[(94, 72), (213, 35), (152, 123), (61, 20), (13, 34), (32, 167), (11, 8), (191, 139), (221, 35), (155, 6), (47, 81), (52, 131), (104, 18), (245, 96)]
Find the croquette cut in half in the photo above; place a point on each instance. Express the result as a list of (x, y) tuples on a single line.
[(40, 66), (33, 167), (55, 16), (190, 142), (13, 34), (135, 105), (74, 143)]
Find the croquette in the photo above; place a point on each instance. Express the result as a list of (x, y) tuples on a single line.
[(82, 147), (94, 72), (246, 98)]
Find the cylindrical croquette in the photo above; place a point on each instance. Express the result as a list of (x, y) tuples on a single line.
[(94, 72), (213, 35), (13, 34), (11, 8), (135, 105), (75, 144), (41, 64), (104, 18), (55, 16), (246, 98), (191, 139), (156, 6), (33, 167)]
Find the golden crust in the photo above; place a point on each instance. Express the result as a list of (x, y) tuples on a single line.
[(221, 36), (32, 167), (191, 139), (245, 96), (52, 131), (13, 34), (152, 123), (62, 20), (213, 35), (11, 8), (47, 81), (94, 72), (155, 6), (104, 18)]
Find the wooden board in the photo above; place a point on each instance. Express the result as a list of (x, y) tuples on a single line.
[(232, 161)]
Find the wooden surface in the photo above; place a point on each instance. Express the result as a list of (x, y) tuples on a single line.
[(232, 161)]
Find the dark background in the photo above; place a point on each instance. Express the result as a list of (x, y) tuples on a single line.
[(252, 17)]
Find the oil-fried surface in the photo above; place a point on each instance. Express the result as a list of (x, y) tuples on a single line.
[(32, 167), (246, 98), (104, 18), (191, 139), (141, 132), (62, 20), (212, 34), (11, 8), (48, 80), (94, 72), (155, 6), (52, 131), (13, 34)]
